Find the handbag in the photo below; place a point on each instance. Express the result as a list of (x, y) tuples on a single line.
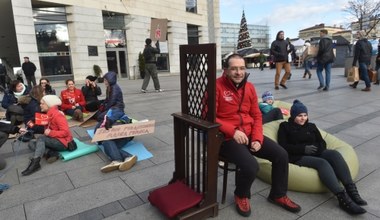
[(372, 74)]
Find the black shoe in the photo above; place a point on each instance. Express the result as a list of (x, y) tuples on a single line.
[(377, 82), (276, 88), (352, 191), (320, 87), (309, 75), (304, 75), (326, 89), (353, 85), (283, 86), (52, 156), (290, 76), (34, 166), (346, 203)]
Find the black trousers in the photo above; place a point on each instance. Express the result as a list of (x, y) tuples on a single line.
[(272, 115), (331, 168), (248, 166)]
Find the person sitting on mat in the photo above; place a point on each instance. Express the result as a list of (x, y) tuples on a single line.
[(114, 100), (57, 134), (120, 160), (73, 102), (91, 91)]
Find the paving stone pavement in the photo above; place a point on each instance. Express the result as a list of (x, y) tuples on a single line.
[(77, 189)]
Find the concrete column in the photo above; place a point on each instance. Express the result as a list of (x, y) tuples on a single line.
[(85, 27), (25, 32), (177, 36)]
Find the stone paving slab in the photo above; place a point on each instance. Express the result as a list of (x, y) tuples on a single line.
[(16, 212), (78, 200), (35, 190)]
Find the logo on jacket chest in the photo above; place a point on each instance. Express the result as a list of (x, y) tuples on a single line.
[(228, 96)]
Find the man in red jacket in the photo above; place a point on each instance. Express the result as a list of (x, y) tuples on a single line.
[(239, 116)]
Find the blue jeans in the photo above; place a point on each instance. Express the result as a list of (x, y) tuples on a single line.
[(327, 67), (113, 114), (307, 65), (112, 148), (363, 70)]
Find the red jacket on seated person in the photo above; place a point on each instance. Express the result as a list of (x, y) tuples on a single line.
[(71, 97)]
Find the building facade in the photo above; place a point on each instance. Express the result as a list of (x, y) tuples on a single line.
[(313, 32), (259, 35), (65, 38)]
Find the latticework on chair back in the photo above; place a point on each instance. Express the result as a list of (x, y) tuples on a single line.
[(195, 131)]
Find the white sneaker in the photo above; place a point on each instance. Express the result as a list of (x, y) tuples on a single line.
[(159, 90), (144, 90), (128, 163), (114, 165)]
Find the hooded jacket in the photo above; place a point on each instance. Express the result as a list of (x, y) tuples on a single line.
[(59, 128), (237, 108), (294, 138), (114, 95), (363, 52), (279, 49)]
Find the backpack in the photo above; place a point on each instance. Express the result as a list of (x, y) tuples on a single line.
[(147, 54)]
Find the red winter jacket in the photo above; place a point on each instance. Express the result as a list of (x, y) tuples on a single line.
[(58, 126), (69, 99), (238, 108)]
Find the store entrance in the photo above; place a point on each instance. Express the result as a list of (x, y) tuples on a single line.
[(117, 61)]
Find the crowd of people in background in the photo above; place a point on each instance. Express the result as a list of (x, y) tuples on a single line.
[(46, 139)]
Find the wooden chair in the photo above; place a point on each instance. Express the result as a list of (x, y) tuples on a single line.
[(226, 168), (196, 135)]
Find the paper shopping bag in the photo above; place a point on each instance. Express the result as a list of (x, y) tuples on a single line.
[(353, 74)]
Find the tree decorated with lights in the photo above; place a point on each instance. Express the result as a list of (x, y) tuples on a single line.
[(244, 39)]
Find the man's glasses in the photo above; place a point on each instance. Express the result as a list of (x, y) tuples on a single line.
[(236, 68)]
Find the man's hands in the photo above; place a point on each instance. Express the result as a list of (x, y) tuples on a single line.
[(241, 138)]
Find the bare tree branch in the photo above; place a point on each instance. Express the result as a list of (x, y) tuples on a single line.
[(363, 10)]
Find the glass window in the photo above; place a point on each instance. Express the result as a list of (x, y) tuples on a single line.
[(192, 34), (191, 6), (114, 38), (52, 40)]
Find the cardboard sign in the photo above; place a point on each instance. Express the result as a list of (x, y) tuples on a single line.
[(126, 130), (158, 29)]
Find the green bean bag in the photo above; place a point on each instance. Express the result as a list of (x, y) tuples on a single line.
[(304, 179)]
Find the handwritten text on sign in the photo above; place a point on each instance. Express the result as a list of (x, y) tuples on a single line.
[(126, 130)]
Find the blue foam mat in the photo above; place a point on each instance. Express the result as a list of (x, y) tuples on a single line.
[(132, 147)]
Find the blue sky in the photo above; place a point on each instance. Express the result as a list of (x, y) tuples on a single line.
[(289, 15)]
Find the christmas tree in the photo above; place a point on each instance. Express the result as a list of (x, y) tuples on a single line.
[(244, 41)]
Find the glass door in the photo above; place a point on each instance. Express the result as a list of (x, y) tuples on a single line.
[(117, 61)]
